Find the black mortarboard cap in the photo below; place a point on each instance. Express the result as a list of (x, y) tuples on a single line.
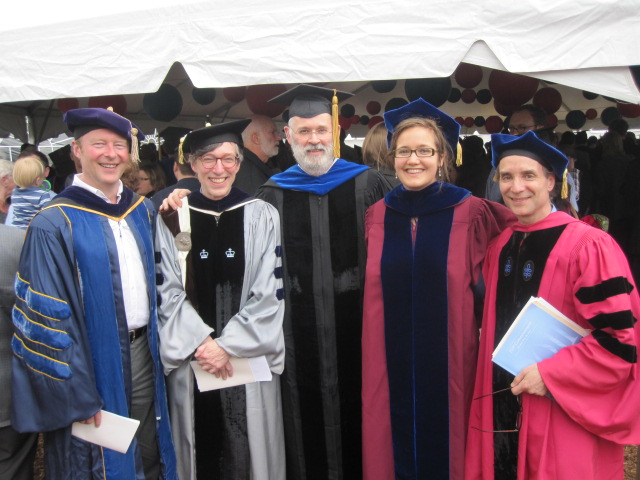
[(219, 133), (307, 101), (172, 136)]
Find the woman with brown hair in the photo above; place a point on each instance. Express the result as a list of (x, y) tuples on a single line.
[(426, 240)]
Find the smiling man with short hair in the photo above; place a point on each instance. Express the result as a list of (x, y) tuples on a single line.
[(86, 334), (584, 398)]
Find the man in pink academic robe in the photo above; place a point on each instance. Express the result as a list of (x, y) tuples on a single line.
[(567, 416)]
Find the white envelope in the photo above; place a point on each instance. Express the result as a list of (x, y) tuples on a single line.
[(245, 370), (115, 432)]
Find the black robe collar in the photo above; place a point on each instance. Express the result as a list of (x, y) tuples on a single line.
[(236, 196)]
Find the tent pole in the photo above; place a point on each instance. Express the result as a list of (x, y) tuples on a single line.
[(39, 132)]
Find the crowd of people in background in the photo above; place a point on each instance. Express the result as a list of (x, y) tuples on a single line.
[(360, 274)]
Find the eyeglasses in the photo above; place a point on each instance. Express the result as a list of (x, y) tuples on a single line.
[(421, 152), (307, 133), (518, 417), (521, 128), (210, 162)]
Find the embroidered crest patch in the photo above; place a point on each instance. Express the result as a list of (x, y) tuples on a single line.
[(527, 271)]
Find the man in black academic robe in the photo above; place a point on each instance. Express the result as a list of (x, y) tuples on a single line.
[(322, 201)]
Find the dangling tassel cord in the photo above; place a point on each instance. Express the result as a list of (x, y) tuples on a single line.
[(335, 124)]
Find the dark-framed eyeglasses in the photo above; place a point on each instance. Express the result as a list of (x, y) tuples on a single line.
[(521, 128), (421, 152), (210, 162), (518, 417)]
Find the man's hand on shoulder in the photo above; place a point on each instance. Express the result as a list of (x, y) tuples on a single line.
[(174, 200)]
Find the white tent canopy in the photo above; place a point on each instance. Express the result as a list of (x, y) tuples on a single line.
[(74, 49)]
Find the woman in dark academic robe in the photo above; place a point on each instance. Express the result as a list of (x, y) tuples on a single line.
[(422, 304), (220, 282)]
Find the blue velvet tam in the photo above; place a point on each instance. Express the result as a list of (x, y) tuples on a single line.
[(528, 145), (82, 120), (420, 108), (308, 101)]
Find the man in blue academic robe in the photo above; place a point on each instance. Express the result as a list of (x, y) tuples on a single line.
[(86, 338)]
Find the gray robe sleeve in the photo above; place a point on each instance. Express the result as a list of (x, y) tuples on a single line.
[(180, 327)]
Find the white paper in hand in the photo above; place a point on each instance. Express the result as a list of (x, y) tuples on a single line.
[(115, 432), (245, 370)]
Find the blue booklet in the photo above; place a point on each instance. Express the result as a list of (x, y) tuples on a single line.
[(538, 332)]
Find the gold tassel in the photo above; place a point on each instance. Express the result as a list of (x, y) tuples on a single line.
[(458, 155), (564, 193), (135, 154), (335, 124), (180, 152)]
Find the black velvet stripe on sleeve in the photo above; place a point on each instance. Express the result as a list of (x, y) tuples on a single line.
[(615, 320), (602, 291), (614, 346)]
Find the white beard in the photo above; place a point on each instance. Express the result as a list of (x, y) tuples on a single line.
[(313, 167), (269, 149)]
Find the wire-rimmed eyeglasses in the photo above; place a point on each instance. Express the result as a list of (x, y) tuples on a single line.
[(518, 417)]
